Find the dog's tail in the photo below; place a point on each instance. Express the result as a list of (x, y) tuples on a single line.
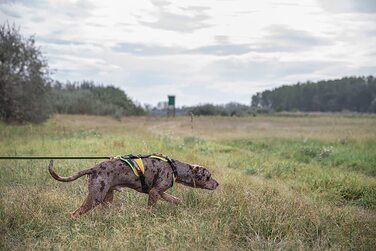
[(66, 179)]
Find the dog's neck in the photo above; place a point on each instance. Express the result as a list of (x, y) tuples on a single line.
[(185, 173)]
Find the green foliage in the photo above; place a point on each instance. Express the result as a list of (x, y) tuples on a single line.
[(24, 78), (229, 109), (354, 156), (208, 109), (356, 94), (87, 98)]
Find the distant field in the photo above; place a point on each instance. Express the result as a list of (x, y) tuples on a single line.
[(286, 182)]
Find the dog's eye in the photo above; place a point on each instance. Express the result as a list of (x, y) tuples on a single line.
[(207, 178)]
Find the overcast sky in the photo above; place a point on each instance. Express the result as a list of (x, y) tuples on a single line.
[(202, 51)]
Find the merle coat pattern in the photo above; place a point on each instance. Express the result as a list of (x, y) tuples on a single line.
[(114, 174)]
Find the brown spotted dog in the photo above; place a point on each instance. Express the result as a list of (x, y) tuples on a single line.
[(114, 174)]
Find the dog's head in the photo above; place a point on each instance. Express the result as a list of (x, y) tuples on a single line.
[(201, 178)]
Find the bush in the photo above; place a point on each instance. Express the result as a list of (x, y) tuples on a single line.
[(208, 110), (87, 98), (229, 109)]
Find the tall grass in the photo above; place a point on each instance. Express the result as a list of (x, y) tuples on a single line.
[(277, 190)]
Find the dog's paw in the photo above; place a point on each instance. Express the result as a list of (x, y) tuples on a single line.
[(74, 215), (178, 201)]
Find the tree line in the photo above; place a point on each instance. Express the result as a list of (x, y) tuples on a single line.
[(356, 94), (229, 109)]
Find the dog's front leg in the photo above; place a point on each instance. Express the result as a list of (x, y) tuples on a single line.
[(170, 198), (154, 195)]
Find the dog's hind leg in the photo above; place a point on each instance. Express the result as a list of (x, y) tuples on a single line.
[(170, 198), (88, 204), (109, 198), (97, 194)]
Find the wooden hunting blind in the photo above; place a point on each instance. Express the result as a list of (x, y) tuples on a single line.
[(171, 100)]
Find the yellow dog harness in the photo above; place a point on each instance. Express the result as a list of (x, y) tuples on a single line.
[(136, 164)]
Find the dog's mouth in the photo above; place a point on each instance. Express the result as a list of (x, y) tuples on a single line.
[(212, 185)]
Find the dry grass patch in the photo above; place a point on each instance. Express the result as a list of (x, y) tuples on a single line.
[(279, 187)]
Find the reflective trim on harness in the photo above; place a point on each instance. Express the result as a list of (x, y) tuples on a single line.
[(140, 164), (134, 170), (136, 164), (158, 157)]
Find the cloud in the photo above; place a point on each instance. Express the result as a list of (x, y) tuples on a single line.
[(73, 9), (146, 50), (222, 49), (51, 40), (284, 38), (155, 50), (183, 20), (267, 69), (148, 78), (200, 51), (346, 6), (7, 10)]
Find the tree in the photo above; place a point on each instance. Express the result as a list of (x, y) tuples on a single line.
[(24, 78)]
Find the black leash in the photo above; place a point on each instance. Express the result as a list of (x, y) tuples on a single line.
[(130, 157), (55, 157)]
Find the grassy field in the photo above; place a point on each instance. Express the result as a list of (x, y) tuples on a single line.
[(286, 182)]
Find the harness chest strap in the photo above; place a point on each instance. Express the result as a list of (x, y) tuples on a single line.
[(173, 167)]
